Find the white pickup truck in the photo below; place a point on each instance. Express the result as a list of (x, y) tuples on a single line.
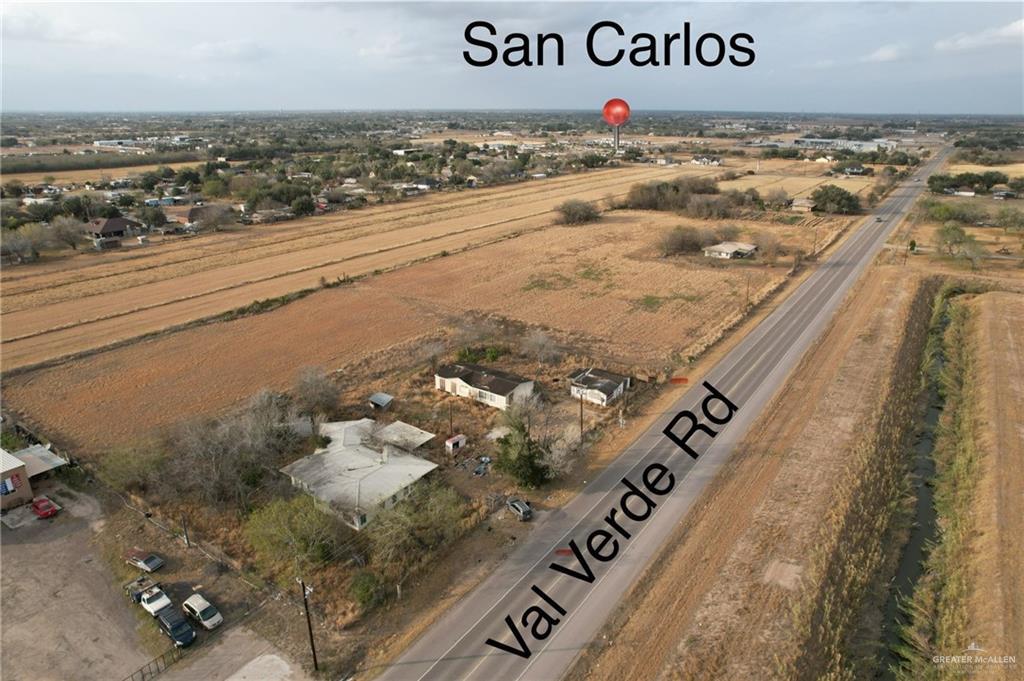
[(153, 600), (148, 594)]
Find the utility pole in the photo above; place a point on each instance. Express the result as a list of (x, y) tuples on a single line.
[(184, 531), (814, 248), (309, 622), (747, 303), (581, 417), (451, 426)]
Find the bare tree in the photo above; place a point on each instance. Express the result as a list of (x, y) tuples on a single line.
[(68, 231), (767, 246), (776, 198), (432, 352), (540, 345), (316, 394)]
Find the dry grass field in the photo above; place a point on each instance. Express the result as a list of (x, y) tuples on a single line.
[(1011, 169), (598, 288), (996, 601), (79, 176), (90, 301)]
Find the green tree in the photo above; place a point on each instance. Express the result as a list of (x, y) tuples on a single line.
[(833, 199), (292, 536), (951, 238), (304, 205)]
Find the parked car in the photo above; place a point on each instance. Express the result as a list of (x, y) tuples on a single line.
[(147, 562), (153, 600), (177, 628), (202, 611), (521, 508), (44, 508)]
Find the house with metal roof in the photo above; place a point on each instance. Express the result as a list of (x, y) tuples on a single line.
[(364, 469), (730, 250), (493, 387), (597, 385)]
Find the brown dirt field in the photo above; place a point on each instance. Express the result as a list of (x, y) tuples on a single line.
[(79, 176), (604, 271), (729, 571), (996, 603), (43, 319)]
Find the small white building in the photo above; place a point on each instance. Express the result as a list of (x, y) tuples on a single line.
[(706, 161), (493, 387), (730, 250), (597, 386), (363, 469)]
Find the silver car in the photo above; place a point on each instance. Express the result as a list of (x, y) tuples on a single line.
[(202, 611)]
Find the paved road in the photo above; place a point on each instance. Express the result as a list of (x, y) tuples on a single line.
[(749, 375)]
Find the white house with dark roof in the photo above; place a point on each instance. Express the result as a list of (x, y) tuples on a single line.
[(597, 385), (730, 250), (493, 387)]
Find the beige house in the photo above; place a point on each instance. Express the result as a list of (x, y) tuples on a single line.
[(802, 206), (15, 489)]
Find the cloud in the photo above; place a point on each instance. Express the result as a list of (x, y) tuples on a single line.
[(1012, 32), (885, 53), (21, 23), (230, 50)]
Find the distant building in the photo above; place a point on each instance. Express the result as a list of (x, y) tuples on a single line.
[(111, 228), (706, 161), (363, 469), (730, 250), (802, 205), (493, 387), (597, 386), (849, 145)]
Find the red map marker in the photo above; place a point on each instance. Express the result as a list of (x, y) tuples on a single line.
[(616, 113)]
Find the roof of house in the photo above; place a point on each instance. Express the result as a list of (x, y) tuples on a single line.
[(111, 225), (38, 459), (731, 247), (483, 378), (347, 474), (9, 462), (803, 202), (381, 399), (598, 379)]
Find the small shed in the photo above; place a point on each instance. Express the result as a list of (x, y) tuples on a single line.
[(455, 442), (381, 401)]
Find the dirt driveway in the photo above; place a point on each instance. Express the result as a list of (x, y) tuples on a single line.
[(62, 618)]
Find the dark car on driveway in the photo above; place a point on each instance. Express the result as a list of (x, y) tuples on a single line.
[(177, 628)]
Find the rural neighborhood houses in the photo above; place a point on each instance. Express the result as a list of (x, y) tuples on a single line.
[(363, 469), (597, 385), (112, 228), (492, 387), (730, 250)]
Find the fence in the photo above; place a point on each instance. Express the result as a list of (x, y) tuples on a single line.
[(157, 665)]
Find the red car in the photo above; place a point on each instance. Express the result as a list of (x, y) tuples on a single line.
[(44, 508)]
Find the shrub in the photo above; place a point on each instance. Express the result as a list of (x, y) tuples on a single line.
[(292, 536), (577, 213), (367, 589), (685, 240)]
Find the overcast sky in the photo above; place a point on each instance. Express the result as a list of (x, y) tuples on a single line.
[(823, 57)]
